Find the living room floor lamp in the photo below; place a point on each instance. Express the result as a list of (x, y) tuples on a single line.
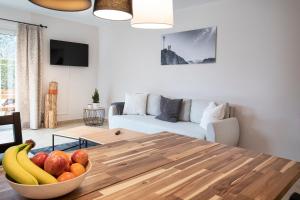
[(64, 5)]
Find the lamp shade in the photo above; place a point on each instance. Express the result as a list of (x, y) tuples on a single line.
[(113, 9), (64, 5), (152, 14)]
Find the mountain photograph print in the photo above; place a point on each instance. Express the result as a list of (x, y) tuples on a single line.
[(189, 47)]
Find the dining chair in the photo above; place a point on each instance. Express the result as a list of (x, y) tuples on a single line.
[(295, 196), (15, 120)]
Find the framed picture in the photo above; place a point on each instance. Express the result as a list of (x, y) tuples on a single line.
[(189, 47)]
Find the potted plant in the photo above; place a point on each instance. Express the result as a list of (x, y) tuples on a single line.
[(96, 99)]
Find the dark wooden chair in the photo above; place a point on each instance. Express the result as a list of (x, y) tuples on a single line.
[(295, 196), (15, 120)]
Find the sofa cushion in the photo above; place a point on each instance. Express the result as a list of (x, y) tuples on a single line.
[(148, 124), (228, 111), (185, 110), (119, 107), (212, 113), (197, 109), (153, 104), (170, 109), (135, 104)]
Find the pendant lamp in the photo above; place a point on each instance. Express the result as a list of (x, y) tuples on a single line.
[(113, 9), (152, 14), (64, 5)]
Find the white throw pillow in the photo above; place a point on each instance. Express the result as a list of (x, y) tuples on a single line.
[(153, 104), (212, 113), (135, 104)]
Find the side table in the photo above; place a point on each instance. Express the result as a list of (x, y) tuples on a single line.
[(93, 116)]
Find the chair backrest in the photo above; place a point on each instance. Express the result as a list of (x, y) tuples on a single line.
[(295, 196), (15, 120)]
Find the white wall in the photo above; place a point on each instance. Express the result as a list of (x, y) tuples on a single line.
[(257, 67), (76, 84)]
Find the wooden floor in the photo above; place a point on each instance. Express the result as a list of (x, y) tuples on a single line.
[(168, 166)]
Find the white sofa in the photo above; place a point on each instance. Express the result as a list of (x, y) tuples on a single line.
[(224, 131)]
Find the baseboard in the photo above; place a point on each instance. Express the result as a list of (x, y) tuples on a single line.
[(66, 122), (61, 123)]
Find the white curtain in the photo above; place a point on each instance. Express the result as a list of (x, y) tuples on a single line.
[(28, 75)]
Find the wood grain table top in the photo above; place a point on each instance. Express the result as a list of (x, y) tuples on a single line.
[(169, 166)]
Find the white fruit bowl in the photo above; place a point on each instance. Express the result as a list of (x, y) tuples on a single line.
[(49, 191)]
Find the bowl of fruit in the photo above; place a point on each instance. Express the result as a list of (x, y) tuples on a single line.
[(44, 176)]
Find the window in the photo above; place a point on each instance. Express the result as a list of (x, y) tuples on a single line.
[(7, 72)]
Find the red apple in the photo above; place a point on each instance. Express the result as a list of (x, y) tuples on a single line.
[(55, 165), (39, 159), (67, 169), (60, 153), (80, 156), (64, 155)]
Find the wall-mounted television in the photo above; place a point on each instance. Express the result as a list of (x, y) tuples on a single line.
[(69, 53)]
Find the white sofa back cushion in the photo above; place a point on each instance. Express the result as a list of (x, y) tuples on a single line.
[(135, 104), (197, 109), (212, 113), (153, 104), (185, 110)]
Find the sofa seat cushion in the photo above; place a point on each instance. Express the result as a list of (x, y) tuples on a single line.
[(148, 124)]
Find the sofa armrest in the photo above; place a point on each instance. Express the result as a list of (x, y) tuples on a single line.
[(225, 131)]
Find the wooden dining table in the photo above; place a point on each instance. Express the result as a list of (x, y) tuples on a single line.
[(170, 166)]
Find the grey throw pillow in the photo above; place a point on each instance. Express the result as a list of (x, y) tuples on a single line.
[(170, 109), (119, 107), (185, 110)]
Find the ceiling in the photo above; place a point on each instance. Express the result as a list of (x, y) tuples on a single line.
[(83, 16)]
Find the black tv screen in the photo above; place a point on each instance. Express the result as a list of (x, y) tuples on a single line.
[(69, 53)]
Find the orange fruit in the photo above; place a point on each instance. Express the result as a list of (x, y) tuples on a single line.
[(65, 176), (61, 153), (77, 169)]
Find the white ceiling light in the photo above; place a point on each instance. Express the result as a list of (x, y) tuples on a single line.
[(152, 14)]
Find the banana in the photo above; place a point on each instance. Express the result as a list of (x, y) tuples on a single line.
[(13, 169), (42, 176)]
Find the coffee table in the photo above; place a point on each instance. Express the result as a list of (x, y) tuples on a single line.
[(82, 134), (75, 134), (107, 136)]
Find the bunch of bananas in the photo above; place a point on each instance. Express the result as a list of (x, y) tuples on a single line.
[(20, 168)]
